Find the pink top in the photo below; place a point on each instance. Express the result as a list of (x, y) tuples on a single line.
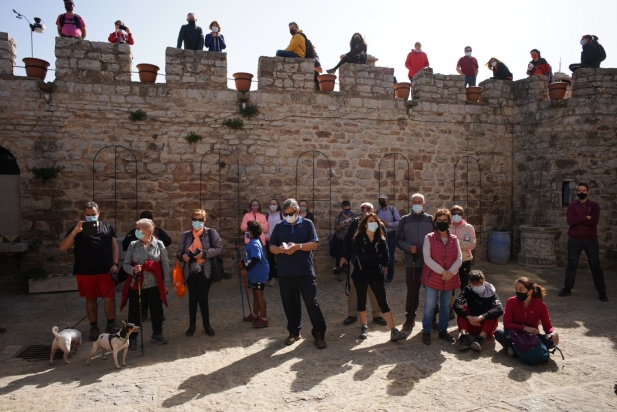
[(69, 29), (258, 217), (466, 245)]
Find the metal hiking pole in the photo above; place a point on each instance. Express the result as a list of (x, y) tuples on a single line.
[(140, 321), (239, 275)]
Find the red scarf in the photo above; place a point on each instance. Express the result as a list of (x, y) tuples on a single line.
[(157, 270)]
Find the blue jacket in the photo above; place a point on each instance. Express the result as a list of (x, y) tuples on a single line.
[(215, 44)]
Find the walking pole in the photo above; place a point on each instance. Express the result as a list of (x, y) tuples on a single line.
[(239, 275), (140, 322), (248, 300)]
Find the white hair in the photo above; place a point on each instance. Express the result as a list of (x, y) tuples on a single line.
[(420, 195), (367, 204), (146, 222), (290, 203)]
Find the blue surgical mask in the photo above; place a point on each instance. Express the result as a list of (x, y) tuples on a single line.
[(582, 42), (478, 289), (372, 227), (139, 234), (198, 225), (92, 218), (457, 218), (417, 209), (347, 211), (468, 53)]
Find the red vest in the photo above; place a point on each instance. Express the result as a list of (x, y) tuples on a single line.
[(445, 256)]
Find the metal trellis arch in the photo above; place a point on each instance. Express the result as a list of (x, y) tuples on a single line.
[(393, 194), (468, 206), (314, 154)]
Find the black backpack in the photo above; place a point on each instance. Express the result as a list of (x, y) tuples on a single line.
[(76, 19), (601, 52), (309, 53)]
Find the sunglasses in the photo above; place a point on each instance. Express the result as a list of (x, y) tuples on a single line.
[(197, 220), (289, 214)]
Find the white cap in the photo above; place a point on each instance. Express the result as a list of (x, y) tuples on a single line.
[(382, 196)]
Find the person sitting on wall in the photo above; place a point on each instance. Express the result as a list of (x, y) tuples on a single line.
[(478, 309), (468, 66), (297, 46), (356, 54), (70, 24), (318, 70), (592, 55), (121, 35), (538, 65), (500, 70), (191, 34), (416, 61), (215, 41)]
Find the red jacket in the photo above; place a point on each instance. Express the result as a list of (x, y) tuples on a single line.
[(444, 256), (415, 62), (113, 38), (580, 226), (517, 316), (153, 267)]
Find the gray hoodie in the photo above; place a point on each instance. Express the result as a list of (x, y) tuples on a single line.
[(411, 231)]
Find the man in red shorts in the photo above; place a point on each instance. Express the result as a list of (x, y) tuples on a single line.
[(96, 260)]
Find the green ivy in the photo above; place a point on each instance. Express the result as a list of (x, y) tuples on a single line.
[(249, 111), (235, 124), (46, 173), (137, 115), (193, 137), (222, 165)]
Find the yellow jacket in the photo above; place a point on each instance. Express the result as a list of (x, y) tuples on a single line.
[(297, 44)]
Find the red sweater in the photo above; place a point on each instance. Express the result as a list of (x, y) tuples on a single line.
[(415, 62), (517, 316), (580, 226), (113, 38)]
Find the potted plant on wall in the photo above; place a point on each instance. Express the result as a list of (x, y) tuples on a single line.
[(402, 90), (243, 81), (34, 67), (147, 72), (557, 90), (500, 239)]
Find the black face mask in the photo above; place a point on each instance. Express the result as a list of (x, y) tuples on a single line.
[(581, 196), (382, 203), (68, 8), (522, 296), (442, 226), (192, 23), (293, 32)]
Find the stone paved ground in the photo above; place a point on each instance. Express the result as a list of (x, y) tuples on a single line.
[(245, 369)]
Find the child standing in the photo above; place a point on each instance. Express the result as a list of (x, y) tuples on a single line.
[(256, 267)]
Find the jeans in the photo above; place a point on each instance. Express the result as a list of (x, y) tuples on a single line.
[(285, 53), (470, 81), (412, 278), (391, 250), (592, 250), (199, 287), (378, 288), (503, 337), (156, 309), (430, 302), (272, 262), (294, 287)]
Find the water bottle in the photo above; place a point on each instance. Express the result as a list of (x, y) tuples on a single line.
[(466, 236)]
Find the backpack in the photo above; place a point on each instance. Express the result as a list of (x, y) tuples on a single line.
[(392, 211), (309, 53), (601, 52), (533, 349), (76, 19), (551, 77)]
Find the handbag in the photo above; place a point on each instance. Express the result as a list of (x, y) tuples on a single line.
[(217, 272), (178, 279)]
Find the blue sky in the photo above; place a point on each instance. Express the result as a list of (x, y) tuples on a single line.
[(506, 30)]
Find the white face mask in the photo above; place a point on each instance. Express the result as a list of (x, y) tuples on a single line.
[(456, 218), (372, 226), (291, 219), (273, 207), (494, 64), (468, 54), (214, 29), (478, 289)]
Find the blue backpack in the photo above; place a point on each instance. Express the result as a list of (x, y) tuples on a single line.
[(532, 349)]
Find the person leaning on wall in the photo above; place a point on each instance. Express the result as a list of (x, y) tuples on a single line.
[(121, 34)]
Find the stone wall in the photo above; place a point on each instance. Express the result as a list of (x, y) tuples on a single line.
[(427, 85), (207, 69), (286, 74), (592, 83), (8, 54), (93, 62), (366, 81)]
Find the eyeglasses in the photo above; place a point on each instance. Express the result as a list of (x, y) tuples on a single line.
[(197, 220), (289, 214)]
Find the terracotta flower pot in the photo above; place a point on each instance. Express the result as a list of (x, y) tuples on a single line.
[(326, 82), (557, 91), (243, 81), (473, 93), (147, 72), (401, 90), (36, 67)]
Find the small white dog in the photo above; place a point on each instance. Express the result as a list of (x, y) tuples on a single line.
[(64, 340), (114, 343)]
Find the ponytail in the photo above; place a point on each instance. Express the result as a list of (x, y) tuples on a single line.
[(538, 291)]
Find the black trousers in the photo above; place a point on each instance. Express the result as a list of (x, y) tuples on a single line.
[(339, 251), (294, 287), (272, 262), (592, 250), (346, 59), (503, 337), (199, 288), (156, 309), (378, 288), (412, 278), (463, 274)]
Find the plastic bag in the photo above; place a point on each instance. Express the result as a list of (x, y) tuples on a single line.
[(178, 279)]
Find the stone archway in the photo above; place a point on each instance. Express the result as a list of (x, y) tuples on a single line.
[(10, 201)]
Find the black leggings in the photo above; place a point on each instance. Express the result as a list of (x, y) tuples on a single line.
[(273, 274), (347, 59), (378, 288), (463, 274), (503, 337), (150, 295), (199, 287)]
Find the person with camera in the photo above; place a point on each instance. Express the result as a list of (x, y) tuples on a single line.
[(70, 24), (346, 259), (191, 35), (410, 235), (195, 249), (215, 42), (96, 263), (121, 35), (538, 65), (341, 226), (147, 261), (370, 249)]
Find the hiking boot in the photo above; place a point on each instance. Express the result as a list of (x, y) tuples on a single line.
[(380, 321), (292, 338), (273, 282), (446, 336), (363, 332), (94, 333), (158, 338), (564, 292), (349, 320), (426, 338), (464, 343), (452, 314), (209, 330), (396, 335), (261, 323), (408, 325), (511, 352), (190, 331), (602, 297), (111, 329), (320, 342), (249, 318), (133, 344), (477, 343)]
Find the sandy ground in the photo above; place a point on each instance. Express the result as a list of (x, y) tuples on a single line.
[(246, 369)]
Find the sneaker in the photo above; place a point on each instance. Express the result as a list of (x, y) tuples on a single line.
[(111, 329), (387, 282), (292, 338), (396, 335), (320, 341), (464, 343), (158, 338), (250, 318), (446, 336), (565, 292), (349, 320), (511, 352), (363, 332), (132, 344), (477, 343), (408, 325), (190, 331), (602, 297), (261, 323), (426, 338), (380, 321), (330, 71), (273, 282), (94, 333), (452, 314)]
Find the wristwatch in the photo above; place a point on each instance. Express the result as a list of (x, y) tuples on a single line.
[(300, 246)]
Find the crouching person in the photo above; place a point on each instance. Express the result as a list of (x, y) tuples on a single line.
[(478, 309)]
